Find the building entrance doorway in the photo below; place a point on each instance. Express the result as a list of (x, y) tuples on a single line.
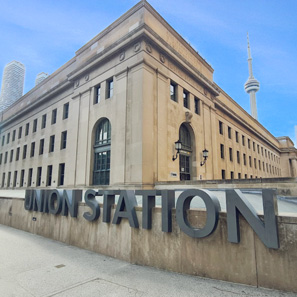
[(184, 167)]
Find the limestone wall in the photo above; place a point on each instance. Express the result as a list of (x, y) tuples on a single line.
[(248, 262)]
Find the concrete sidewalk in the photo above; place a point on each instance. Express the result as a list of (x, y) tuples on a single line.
[(31, 265)]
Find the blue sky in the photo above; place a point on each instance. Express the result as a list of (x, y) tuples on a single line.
[(44, 35)]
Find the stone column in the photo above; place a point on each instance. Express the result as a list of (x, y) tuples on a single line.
[(294, 166)]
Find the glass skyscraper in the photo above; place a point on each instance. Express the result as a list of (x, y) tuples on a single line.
[(12, 84)]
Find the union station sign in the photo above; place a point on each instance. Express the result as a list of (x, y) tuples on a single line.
[(62, 202)]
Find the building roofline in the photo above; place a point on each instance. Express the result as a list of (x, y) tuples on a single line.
[(130, 12)]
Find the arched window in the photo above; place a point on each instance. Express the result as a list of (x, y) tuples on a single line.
[(102, 144), (185, 138), (185, 153)]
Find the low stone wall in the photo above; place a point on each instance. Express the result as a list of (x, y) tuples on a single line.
[(284, 185), (248, 262)]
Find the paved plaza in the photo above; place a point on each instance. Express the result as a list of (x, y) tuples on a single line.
[(33, 266)]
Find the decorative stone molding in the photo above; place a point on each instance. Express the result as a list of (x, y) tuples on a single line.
[(162, 58), (87, 77), (137, 47), (205, 92), (149, 48), (122, 56), (76, 83), (189, 116)]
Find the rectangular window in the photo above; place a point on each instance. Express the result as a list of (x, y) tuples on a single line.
[(32, 151), (61, 174), (259, 165), (197, 105), (54, 116), (17, 155), (231, 154), (244, 159), (13, 135), (255, 163), (5, 158), (109, 88), (41, 146), (34, 125), (243, 140), (173, 91), (9, 177), (262, 151), (63, 140), (0, 158), (232, 175), (11, 156), (229, 133), (49, 175), (3, 140), (186, 99), (249, 143), (30, 174), (236, 136), (263, 166), (223, 174), (258, 148), (38, 178), (52, 144), (222, 151), (43, 121), (22, 178), (250, 161), (27, 129), (8, 138), (97, 94), (254, 146), (20, 132), (239, 175), (3, 179), (65, 111), (25, 151), (221, 128), (238, 157), (15, 177)]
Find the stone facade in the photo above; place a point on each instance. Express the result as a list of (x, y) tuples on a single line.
[(140, 80)]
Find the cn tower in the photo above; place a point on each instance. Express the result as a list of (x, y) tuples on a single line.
[(252, 85)]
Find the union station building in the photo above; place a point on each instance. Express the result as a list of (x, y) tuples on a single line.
[(114, 113)]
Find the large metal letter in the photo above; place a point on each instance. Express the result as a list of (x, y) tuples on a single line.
[(212, 208), (70, 202), (54, 201), (126, 209), (38, 200), (28, 199), (267, 230), (168, 202), (108, 202), (93, 204), (148, 203)]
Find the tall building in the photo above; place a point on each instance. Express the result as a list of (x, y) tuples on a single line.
[(113, 114), (252, 85), (12, 84), (40, 77)]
